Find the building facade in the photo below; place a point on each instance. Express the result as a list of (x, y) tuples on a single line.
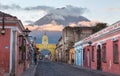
[(78, 54), (59, 50), (101, 51), (15, 48), (70, 35)]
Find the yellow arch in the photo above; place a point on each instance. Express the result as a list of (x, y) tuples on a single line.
[(46, 45)]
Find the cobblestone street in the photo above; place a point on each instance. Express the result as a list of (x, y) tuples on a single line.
[(46, 68)]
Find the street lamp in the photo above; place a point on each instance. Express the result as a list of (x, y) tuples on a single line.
[(3, 26), (89, 43), (26, 31)]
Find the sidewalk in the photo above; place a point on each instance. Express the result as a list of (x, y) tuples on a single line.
[(90, 70), (30, 71)]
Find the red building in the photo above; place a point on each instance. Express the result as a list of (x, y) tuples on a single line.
[(101, 51), (14, 46)]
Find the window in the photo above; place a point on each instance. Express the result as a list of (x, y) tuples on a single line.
[(83, 54), (93, 53), (22, 49), (104, 53), (115, 52)]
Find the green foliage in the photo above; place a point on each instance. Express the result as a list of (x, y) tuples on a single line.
[(20, 61), (22, 48), (99, 27), (71, 44)]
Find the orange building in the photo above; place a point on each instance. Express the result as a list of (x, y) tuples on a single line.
[(72, 56)]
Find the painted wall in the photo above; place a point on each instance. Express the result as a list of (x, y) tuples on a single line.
[(109, 65), (72, 56), (5, 51), (9, 57), (79, 55)]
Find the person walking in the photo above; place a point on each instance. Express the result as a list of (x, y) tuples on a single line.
[(35, 58)]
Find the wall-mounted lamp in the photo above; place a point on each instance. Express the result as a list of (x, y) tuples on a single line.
[(26, 31), (3, 26), (89, 43)]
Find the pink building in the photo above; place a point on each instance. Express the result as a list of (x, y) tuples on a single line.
[(101, 51), (14, 47)]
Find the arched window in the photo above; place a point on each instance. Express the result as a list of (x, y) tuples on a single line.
[(104, 52), (84, 54), (115, 52), (93, 53)]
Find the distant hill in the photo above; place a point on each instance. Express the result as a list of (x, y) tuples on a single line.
[(59, 19)]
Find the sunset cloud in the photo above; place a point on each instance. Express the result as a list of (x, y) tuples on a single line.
[(84, 23), (72, 24), (87, 23), (47, 27), (53, 26)]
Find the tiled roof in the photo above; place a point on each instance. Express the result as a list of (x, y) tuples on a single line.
[(8, 16), (5, 14)]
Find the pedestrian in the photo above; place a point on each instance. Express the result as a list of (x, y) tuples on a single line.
[(72, 61), (56, 60), (35, 58)]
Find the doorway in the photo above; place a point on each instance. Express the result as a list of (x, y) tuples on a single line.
[(46, 55), (99, 65), (88, 58)]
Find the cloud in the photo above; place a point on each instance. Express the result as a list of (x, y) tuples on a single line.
[(13, 6), (113, 9), (53, 26), (84, 23), (47, 27), (45, 8), (87, 23), (72, 25), (69, 10), (65, 11), (18, 7), (36, 12), (29, 21)]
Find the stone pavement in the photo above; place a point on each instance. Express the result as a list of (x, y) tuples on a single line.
[(46, 68), (30, 71), (90, 70)]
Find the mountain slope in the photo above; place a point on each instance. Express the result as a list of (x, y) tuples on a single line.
[(59, 19)]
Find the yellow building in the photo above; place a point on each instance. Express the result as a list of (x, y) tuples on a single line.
[(46, 46), (72, 56)]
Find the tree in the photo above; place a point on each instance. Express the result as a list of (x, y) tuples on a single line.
[(99, 27)]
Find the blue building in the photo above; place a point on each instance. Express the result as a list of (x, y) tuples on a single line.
[(78, 54)]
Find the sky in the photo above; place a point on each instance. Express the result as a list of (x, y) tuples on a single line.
[(29, 11)]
